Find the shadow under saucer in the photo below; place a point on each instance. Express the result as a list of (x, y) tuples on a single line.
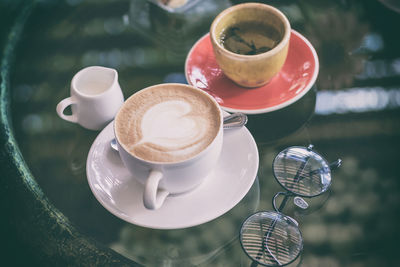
[(275, 125)]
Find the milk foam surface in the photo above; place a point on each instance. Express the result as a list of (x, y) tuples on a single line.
[(167, 124)]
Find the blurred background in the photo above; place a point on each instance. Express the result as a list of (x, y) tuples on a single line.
[(352, 112)]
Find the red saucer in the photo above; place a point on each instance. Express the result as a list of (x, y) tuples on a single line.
[(297, 76)]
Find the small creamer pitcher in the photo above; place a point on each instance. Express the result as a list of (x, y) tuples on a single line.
[(95, 98)]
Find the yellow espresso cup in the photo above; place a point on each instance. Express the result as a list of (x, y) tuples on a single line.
[(250, 42)]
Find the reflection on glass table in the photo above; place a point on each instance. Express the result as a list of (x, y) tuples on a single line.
[(193, 246)]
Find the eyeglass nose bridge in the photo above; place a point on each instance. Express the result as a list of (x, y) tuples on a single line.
[(287, 195), (298, 201)]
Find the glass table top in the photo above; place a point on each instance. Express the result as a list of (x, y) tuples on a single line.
[(351, 113)]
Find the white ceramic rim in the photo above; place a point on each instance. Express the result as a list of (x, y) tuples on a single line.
[(86, 69)]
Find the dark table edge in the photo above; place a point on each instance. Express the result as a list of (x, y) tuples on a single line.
[(38, 233)]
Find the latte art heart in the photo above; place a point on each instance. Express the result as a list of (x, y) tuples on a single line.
[(167, 124), (171, 126)]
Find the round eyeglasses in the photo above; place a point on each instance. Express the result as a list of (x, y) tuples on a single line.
[(271, 238)]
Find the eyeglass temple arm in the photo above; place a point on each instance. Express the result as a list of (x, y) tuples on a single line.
[(335, 164), (264, 244), (287, 194)]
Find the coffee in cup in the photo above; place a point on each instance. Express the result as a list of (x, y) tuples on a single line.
[(250, 42), (170, 124), (250, 38), (169, 136)]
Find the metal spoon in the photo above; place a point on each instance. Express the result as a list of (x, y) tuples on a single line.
[(235, 120)]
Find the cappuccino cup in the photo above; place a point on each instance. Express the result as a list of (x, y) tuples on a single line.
[(169, 137), (95, 98)]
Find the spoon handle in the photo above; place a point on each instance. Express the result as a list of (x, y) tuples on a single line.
[(235, 120)]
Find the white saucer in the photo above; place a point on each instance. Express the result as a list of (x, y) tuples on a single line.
[(121, 194)]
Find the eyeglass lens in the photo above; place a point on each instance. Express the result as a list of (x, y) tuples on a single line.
[(271, 238), (302, 171)]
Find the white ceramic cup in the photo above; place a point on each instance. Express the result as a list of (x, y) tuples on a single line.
[(95, 98), (163, 179)]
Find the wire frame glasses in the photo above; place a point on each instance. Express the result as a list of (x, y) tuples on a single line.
[(271, 238)]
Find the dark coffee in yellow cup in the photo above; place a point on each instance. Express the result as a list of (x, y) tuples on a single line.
[(250, 42), (250, 38)]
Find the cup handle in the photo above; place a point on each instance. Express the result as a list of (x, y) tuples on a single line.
[(63, 105), (153, 198)]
